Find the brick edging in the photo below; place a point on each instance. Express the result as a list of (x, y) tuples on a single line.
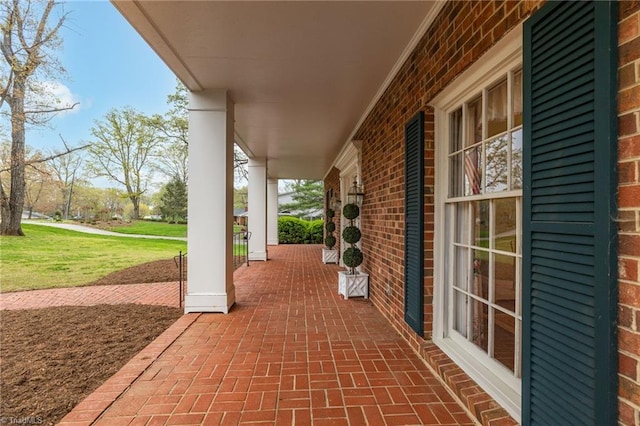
[(89, 410), (479, 404)]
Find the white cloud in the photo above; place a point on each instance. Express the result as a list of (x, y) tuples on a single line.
[(57, 95)]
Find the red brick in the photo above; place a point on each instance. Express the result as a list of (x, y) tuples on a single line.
[(628, 29), (629, 51), (629, 294), (627, 124), (627, 76), (629, 390), (629, 147), (625, 317), (628, 366), (629, 99), (626, 414), (629, 341), (629, 196), (629, 244), (627, 172)]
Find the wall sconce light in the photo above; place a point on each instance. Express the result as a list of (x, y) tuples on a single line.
[(355, 194)]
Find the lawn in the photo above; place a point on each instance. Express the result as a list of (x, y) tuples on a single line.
[(50, 257), (142, 227)]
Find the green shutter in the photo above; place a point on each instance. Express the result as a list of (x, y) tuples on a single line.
[(414, 224), (569, 372)]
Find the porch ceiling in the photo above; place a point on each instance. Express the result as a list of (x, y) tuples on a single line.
[(302, 74)]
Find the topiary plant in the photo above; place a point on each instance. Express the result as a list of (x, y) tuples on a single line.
[(353, 257), (351, 234), (330, 241), (351, 211)]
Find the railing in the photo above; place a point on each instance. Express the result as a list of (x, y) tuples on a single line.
[(240, 248), (181, 263), (240, 256)]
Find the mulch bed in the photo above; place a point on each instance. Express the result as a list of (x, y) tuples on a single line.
[(159, 271), (51, 359)]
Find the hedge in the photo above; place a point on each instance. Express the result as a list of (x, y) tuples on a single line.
[(292, 230)]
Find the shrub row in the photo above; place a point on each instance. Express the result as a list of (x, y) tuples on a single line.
[(292, 230)]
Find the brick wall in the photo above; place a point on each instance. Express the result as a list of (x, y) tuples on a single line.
[(629, 212), (461, 33)]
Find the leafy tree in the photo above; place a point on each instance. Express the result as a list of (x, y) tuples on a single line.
[(240, 197), (27, 44), (308, 196), (172, 131), (174, 201), (123, 151)]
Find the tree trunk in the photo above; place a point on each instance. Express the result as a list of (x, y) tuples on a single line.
[(13, 206), (136, 207)]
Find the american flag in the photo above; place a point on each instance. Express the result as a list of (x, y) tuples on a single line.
[(472, 170)]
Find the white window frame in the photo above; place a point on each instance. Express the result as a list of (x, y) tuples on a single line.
[(505, 56)]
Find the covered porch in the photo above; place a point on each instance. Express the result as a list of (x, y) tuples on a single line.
[(290, 351)]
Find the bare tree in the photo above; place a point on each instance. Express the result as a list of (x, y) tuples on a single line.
[(27, 43), (66, 169), (123, 151)]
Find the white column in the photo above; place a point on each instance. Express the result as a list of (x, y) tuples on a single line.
[(272, 212), (210, 284), (257, 209)]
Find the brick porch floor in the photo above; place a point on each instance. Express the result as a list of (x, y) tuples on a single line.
[(291, 351)]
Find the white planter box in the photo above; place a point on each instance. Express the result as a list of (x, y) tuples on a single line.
[(329, 256), (353, 285)]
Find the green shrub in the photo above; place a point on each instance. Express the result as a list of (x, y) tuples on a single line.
[(351, 234), (352, 257), (291, 230), (351, 211), (331, 226), (330, 241), (331, 213), (315, 232)]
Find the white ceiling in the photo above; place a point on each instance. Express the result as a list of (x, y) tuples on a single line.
[(302, 74)]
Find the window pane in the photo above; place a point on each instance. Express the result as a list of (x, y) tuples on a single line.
[(455, 132), (479, 324), (461, 217), (456, 186), (516, 159), (473, 171), (504, 216), (504, 338), (497, 170), (481, 223), (462, 270), (460, 312), (474, 121), (497, 109), (505, 281), (517, 99), (480, 282)]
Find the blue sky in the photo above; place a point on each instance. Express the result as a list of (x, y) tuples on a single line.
[(108, 66)]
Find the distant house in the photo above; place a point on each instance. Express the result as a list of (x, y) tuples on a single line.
[(287, 198)]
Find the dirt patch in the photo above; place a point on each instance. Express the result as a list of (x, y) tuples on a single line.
[(158, 271), (53, 358)]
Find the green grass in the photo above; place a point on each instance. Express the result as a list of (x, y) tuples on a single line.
[(50, 257), (142, 227)]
